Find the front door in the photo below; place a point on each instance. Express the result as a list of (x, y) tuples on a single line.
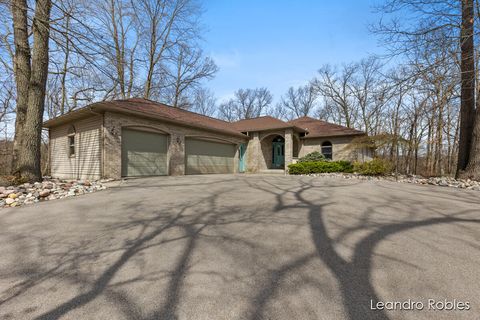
[(278, 155)]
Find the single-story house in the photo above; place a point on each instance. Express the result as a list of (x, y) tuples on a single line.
[(138, 137)]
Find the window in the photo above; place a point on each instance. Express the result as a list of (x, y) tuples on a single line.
[(71, 141), (327, 150)]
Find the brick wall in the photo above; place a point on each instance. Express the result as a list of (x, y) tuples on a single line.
[(114, 122), (339, 148)]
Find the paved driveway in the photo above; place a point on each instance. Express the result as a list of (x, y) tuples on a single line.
[(242, 247)]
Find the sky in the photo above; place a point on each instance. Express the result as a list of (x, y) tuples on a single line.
[(278, 44)]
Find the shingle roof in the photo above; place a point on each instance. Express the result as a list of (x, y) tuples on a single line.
[(263, 123), (319, 128), (158, 110), (142, 107)]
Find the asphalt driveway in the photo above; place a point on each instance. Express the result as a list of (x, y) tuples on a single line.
[(243, 247)]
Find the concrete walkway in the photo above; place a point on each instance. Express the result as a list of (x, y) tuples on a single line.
[(242, 247)]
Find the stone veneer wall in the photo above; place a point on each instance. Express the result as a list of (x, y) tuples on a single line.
[(259, 149), (112, 128), (253, 153)]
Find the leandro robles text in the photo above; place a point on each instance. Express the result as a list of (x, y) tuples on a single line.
[(430, 304)]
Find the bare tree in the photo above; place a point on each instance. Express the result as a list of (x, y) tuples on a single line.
[(31, 71), (469, 143), (191, 68), (441, 25), (299, 102), (204, 102), (227, 110), (336, 89), (247, 103)]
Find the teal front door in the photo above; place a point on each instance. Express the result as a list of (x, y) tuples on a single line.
[(278, 155), (241, 157)]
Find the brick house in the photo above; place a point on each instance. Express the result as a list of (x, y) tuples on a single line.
[(138, 137)]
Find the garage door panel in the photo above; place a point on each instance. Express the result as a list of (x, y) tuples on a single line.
[(204, 157), (144, 153), (209, 164)]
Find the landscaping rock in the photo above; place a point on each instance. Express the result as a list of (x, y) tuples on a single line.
[(8, 191), (434, 181), (44, 193), (47, 190)]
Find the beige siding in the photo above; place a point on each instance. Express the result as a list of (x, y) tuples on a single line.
[(86, 164)]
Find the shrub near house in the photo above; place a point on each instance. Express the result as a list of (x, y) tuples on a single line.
[(376, 167), (315, 162), (313, 157), (310, 167)]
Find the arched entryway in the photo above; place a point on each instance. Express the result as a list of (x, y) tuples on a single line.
[(272, 152)]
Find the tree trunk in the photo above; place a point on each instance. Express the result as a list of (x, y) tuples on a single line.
[(29, 160), (65, 66), (467, 102), (472, 171), (22, 75)]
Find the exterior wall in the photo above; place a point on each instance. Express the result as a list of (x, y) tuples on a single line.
[(339, 148), (86, 163), (265, 157), (266, 148), (288, 147), (259, 149), (114, 122), (252, 154)]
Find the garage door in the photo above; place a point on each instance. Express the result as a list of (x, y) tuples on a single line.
[(208, 157), (143, 153)]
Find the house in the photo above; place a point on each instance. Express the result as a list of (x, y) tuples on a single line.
[(138, 137)]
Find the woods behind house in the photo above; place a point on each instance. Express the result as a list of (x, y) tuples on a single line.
[(418, 102)]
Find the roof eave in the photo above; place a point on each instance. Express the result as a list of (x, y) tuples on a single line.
[(298, 129), (72, 115), (334, 135), (101, 107)]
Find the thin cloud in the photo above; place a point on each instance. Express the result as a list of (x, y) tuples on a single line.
[(225, 60)]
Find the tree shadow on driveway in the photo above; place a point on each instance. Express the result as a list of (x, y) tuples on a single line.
[(354, 275), (215, 219)]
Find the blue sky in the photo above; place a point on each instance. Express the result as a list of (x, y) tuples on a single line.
[(278, 44)]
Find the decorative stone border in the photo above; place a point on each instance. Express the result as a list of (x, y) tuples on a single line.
[(436, 181), (47, 190)]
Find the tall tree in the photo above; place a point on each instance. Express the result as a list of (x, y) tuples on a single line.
[(31, 71), (204, 102), (467, 104), (469, 145), (247, 103), (299, 101)]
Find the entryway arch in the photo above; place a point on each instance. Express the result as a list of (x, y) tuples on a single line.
[(273, 150)]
